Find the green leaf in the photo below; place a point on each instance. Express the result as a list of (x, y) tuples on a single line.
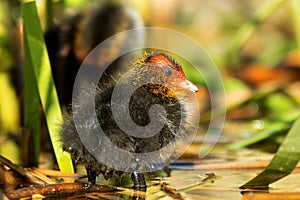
[(282, 164), (31, 107), (40, 85)]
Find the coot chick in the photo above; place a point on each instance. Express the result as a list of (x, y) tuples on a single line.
[(168, 87)]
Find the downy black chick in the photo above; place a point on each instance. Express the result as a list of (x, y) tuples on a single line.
[(161, 69)]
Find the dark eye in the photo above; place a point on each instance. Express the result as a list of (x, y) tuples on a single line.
[(168, 72)]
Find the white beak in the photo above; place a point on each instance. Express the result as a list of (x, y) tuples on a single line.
[(189, 85)]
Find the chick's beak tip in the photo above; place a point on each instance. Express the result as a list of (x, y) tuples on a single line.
[(194, 88), (189, 85)]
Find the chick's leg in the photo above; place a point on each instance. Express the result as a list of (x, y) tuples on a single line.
[(91, 176), (138, 180)]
